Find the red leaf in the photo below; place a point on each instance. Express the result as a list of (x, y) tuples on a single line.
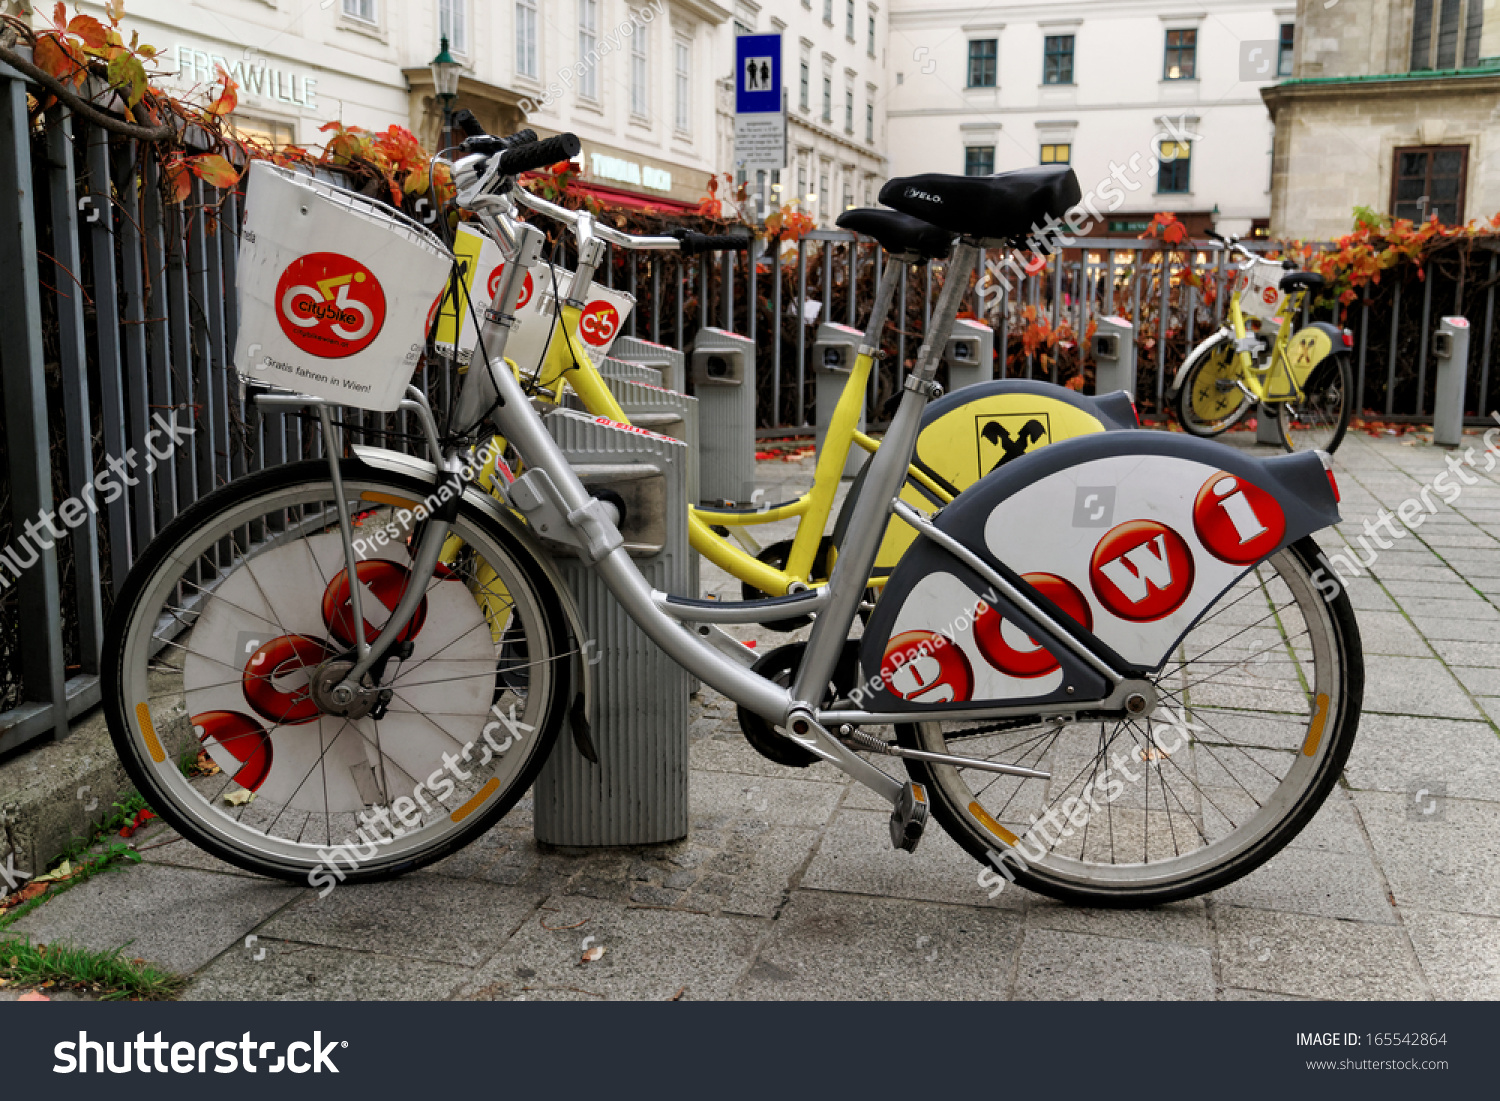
[(142, 816), (179, 181), (90, 30), (50, 57)]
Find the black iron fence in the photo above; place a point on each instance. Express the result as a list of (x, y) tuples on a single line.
[(118, 318)]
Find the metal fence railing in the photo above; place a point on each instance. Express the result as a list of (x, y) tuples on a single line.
[(117, 313)]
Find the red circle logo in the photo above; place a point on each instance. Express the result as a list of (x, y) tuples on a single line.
[(1141, 570), (599, 323), (1238, 522), (275, 681), (1011, 650), (493, 286), (386, 581), (1268, 296), (926, 667), (330, 305), (243, 738)]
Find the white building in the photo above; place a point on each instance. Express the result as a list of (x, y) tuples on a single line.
[(1172, 87), (833, 65)]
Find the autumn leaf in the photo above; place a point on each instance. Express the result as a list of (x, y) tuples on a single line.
[(115, 9), (50, 57), (228, 98), (179, 180), (90, 30), (60, 16), (129, 75)]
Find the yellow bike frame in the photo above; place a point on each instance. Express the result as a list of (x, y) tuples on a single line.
[(1282, 379)]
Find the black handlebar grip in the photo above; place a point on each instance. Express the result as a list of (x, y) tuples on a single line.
[(690, 242), (466, 121), (489, 144), (539, 154)]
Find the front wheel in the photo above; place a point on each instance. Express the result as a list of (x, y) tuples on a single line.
[(1210, 401), (1319, 419), (1258, 706), (240, 602)]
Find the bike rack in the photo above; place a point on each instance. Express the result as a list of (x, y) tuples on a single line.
[(969, 354), (669, 362), (1450, 348), (723, 374), (1114, 353)]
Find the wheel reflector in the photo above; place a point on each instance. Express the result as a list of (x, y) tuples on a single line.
[(479, 797), (983, 818), (1315, 732), (148, 731)]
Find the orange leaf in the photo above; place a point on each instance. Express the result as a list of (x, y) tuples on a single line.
[(228, 99), (50, 57), (90, 30), (215, 171), (179, 181), (60, 16)]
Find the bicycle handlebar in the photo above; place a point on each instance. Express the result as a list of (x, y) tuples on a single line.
[(539, 154), (689, 242)]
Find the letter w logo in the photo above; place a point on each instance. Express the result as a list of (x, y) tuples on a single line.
[(1140, 569)]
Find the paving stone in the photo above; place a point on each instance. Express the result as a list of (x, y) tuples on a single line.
[(778, 855), (1078, 967), (1480, 681), (179, 918), (649, 954), (839, 947), (1460, 953), (736, 755), (775, 800), (295, 972), (1414, 686), (1334, 828), (420, 917), (1391, 633), (1183, 922), (167, 846), (855, 856), (1315, 957), (1367, 595), (1236, 994), (1309, 881), (1400, 754), (1446, 863), (1458, 652)]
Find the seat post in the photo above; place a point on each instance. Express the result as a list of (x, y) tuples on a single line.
[(935, 339)]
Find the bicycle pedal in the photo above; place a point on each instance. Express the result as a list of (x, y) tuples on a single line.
[(909, 818)]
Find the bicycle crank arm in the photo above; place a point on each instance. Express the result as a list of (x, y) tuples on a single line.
[(803, 729), (875, 745)]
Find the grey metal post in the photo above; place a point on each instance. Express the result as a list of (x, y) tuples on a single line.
[(637, 792), (1114, 356), (969, 354), (834, 353), (1450, 348), (1267, 428), (723, 370)]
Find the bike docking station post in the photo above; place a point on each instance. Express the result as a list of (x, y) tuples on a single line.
[(1267, 428), (834, 352), (723, 375), (969, 354), (668, 361), (1450, 347), (1114, 356), (637, 792)]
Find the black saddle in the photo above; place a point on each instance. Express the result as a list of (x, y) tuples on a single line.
[(1003, 208), (1294, 279), (899, 233)]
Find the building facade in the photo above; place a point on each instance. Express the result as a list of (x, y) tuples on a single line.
[(1393, 105), (1162, 98)]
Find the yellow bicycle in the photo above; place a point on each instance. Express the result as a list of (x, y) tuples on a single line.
[(1301, 377)]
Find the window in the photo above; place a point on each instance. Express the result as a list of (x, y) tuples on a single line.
[(453, 24), (1057, 153), (979, 160), (823, 193), (361, 9), (869, 122), (588, 56), (848, 108), (806, 79), (1182, 55), (1439, 40), (1284, 49), (802, 195), (982, 53), (827, 98), (684, 54), (1057, 59), (526, 64), (870, 48), (1429, 180), (848, 188), (1175, 166), (828, 12), (640, 95), (849, 20)]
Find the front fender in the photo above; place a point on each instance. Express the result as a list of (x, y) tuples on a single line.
[(1192, 358), (1129, 536), (397, 463)]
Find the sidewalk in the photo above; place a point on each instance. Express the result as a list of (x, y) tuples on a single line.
[(787, 886)]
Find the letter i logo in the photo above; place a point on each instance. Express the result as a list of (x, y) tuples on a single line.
[(1238, 522)]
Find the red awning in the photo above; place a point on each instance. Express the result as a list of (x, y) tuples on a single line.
[(635, 199)]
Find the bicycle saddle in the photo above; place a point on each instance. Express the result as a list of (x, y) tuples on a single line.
[(1294, 279), (1001, 208), (899, 233)]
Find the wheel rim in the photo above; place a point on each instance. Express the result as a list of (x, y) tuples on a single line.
[(1248, 702), (1314, 422), (1213, 397), (327, 789)]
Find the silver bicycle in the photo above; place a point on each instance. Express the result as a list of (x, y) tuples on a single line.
[(1118, 671)]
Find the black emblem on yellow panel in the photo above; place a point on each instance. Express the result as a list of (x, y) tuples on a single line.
[(1006, 436)]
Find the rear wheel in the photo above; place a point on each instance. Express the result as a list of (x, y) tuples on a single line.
[(236, 607), (1209, 401), (1320, 418), (1258, 709)]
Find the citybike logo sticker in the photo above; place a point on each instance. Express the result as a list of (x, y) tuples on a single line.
[(330, 305), (925, 667), (1269, 296), (1011, 650), (1141, 570), (599, 323), (492, 287), (1238, 522)]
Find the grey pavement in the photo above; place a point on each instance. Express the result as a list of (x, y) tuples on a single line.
[(787, 888)]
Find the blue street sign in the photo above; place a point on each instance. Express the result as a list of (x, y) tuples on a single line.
[(757, 87)]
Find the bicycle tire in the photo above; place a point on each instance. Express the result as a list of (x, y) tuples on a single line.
[(1321, 419), (1203, 407)]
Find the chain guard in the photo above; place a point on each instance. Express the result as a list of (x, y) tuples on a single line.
[(781, 665), (776, 556)]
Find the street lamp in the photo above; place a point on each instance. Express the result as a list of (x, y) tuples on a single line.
[(445, 72)]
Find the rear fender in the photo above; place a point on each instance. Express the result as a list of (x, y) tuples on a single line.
[(1128, 537)]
